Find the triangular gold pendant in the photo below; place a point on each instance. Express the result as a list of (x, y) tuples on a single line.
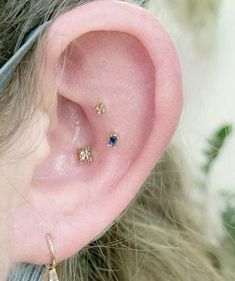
[(50, 275), (53, 275)]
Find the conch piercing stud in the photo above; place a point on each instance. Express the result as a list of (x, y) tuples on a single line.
[(113, 139), (52, 266), (84, 154), (100, 109)]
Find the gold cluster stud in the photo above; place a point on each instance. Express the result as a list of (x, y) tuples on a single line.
[(100, 109), (84, 154)]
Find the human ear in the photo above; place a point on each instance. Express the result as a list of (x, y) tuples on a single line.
[(107, 52)]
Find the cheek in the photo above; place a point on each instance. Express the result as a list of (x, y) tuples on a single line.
[(15, 181), (27, 153)]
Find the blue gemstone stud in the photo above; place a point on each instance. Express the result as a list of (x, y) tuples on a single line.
[(113, 139)]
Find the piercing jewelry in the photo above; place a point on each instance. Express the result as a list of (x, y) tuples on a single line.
[(51, 268), (100, 109), (84, 154), (113, 139)]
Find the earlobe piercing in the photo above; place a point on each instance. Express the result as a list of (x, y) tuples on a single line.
[(84, 154), (52, 266), (113, 139), (100, 109)]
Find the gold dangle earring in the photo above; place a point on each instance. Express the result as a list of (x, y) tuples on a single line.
[(51, 268)]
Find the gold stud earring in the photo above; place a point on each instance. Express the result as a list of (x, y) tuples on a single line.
[(84, 154), (100, 109), (51, 273)]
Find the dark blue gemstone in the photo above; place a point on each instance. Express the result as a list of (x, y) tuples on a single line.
[(112, 141)]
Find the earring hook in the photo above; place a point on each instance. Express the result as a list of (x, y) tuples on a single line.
[(52, 265)]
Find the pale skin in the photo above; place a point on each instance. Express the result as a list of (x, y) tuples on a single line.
[(129, 64), (15, 180)]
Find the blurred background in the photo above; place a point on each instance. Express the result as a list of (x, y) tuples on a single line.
[(204, 34)]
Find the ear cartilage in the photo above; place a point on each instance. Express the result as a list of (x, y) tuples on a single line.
[(113, 139), (84, 154), (100, 109)]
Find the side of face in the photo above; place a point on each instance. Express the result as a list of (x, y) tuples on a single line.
[(103, 52)]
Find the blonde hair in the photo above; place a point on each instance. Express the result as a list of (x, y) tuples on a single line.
[(156, 237)]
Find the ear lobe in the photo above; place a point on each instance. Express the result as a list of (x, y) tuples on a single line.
[(99, 53)]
